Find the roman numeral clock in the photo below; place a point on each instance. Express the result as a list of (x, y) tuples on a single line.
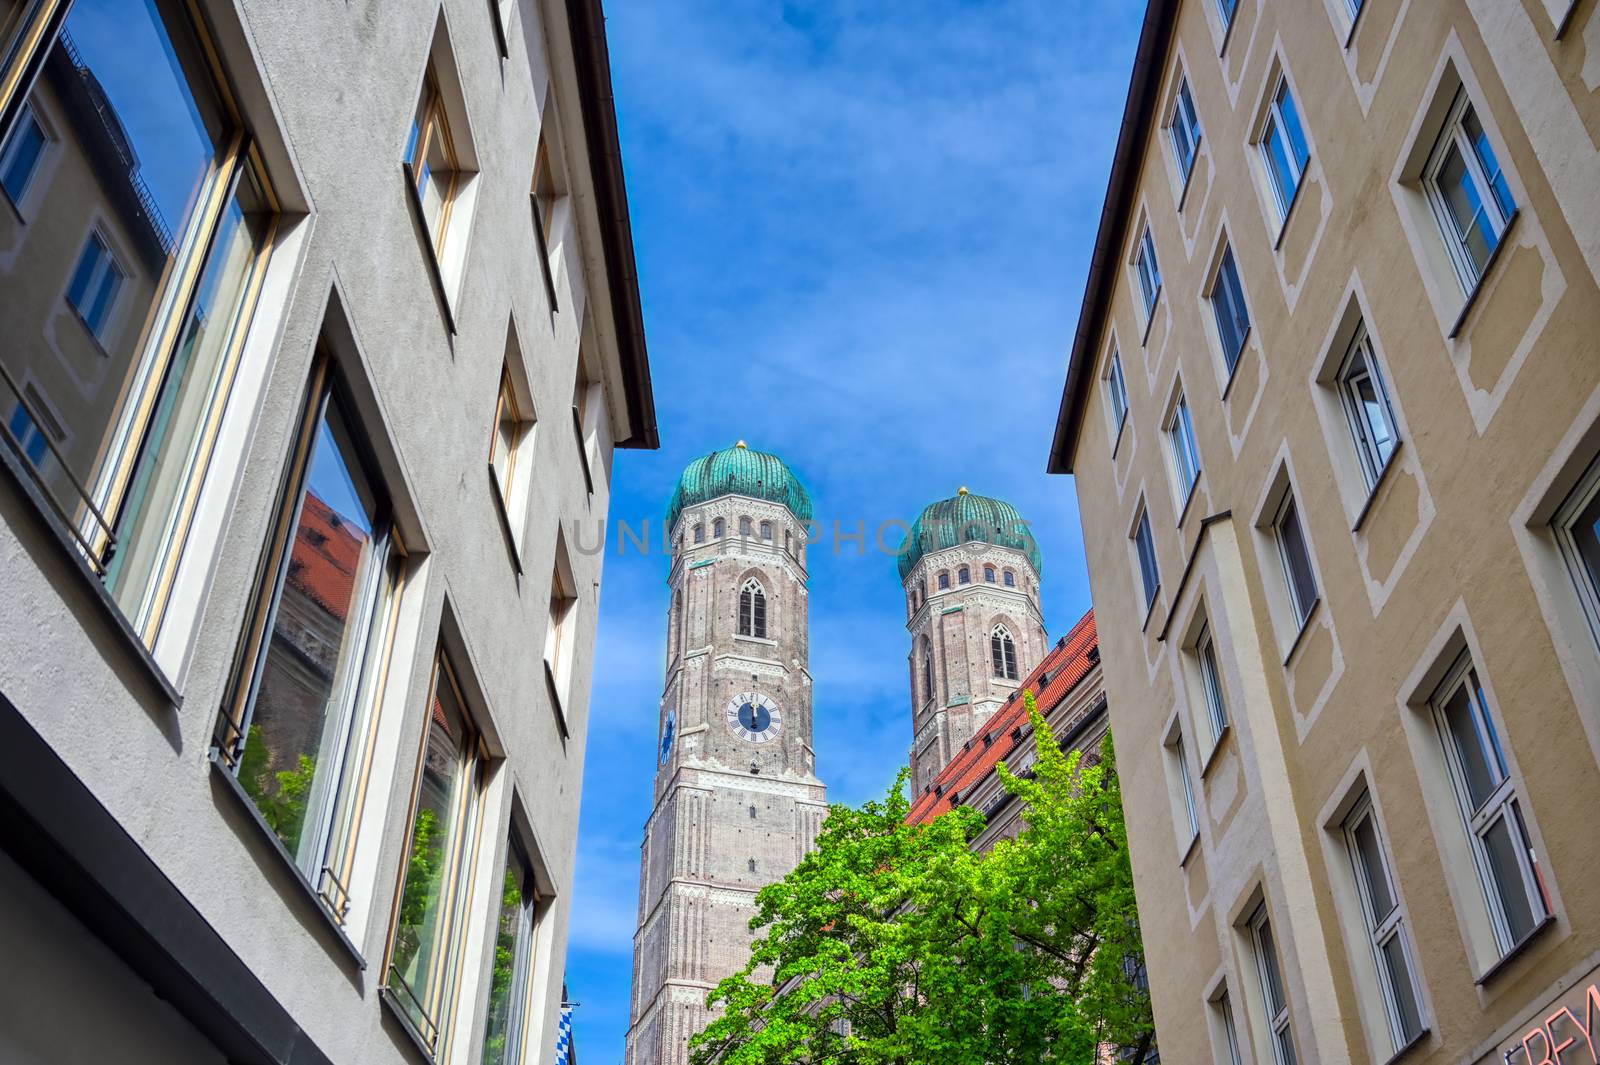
[(754, 717)]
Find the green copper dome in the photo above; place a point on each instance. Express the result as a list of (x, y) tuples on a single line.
[(964, 518), (739, 470)]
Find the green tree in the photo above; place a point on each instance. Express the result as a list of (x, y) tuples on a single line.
[(895, 944), (279, 795)]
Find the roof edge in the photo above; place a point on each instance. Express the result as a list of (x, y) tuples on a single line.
[(1155, 39), (592, 59)]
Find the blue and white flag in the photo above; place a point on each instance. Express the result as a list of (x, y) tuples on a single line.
[(564, 1036)]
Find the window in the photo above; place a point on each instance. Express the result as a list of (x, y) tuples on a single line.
[(1149, 271), (1003, 652), (1185, 452), (588, 409), (1181, 767), (1223, 1005), (1149, 575), (511, 428), (744, 527), (561, 632), (294, 733), (700, 533), (1184, 128), (1010, 579), (162, 266), (927, 671), (431, 161), (963, 576), (1205, 653), (944, 581), (1380, 906), (1272, 993), (1577, 529), (766, 531), (988, 574), (1283, 146), (1490, 808), (1116, 390), (1365, 399), (511, 976), (32, 427), (1228, 307), (718, 527), (1354, 6), (23, 153), (1468, 190), (1296, 558), (1226, 8), (753, 609), (94, 286), (429, 923)]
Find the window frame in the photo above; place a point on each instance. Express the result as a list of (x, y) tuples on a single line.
[(1183, 449), (1503, 803), (1452, 135), (1180, 131), (1223, 1004), (1003, 653), (1382, 929), (944, 580), (1279, 1016), (1116, 391), (29, 114), (505, 480), (1361, 350), (1147, 269), (529, 917), (1228, 287), (430, 119), (1274, 121), (1009, 579), (1299, 611), (753, 612), (1210, 670), (1585, 578), (1147, 566), (1180, 756)]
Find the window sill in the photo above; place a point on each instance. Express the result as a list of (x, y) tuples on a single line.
[(232, 786), (505, 521), (1516, 951), (1216, 749), (1300, 635), (1238, 358), (414, 1037), (1377, 484), (1416, 1040), (98, 593), (429, 253), (1150, 317), (763, 640), (1288, 212), (557, 703), (1189, 851), (1483, 277)]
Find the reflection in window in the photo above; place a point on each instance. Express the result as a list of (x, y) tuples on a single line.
[(296, 740), (1283, 144), (1229, 309), (126, 303), (511, 980), (1469, 192), (422, 967), (431, 154), (1185, 128), (1366, 407), (1296, 559)]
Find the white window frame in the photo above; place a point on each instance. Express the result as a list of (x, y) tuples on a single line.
[(1116, 391), (106, 268), (1299, 611), (1184, 126), (1223, 1004), (1210, 668), (1227, 9), (1383, 929), (1144, 542), (1147, 267), (1355, 409), (1452, 134), (1183, 449), (1228, 264), (1503, 802), (1180, 755), (1279, 1020), (1274, 121), (1584, 578)]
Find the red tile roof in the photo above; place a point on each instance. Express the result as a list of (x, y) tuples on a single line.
[(327, 552), (1067, 663)]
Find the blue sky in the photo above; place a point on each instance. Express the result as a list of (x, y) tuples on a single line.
[(862, 232)]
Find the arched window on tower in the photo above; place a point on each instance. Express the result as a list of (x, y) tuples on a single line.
[(744, 528), (927, 671), (717, 528), (1011, 579), (944, 581), (699, 534), (963, 576), (753, 609), (1003, 650), (988, 574), (766, 531)]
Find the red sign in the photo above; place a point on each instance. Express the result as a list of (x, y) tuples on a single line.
[(1561, 1037)]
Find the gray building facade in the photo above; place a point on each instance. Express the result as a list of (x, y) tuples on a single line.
[(321, 326)]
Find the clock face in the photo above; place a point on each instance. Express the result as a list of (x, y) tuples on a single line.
[(669, 732), (754, 717)]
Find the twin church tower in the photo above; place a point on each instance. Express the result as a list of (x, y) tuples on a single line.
[(738, 801)]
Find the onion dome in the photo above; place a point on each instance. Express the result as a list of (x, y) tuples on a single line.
[(966, 518), (739, 471)]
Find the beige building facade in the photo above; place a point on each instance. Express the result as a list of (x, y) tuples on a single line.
[(319, 329), (1333, 412)]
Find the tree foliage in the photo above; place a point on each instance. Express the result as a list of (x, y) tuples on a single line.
[(896, 944)]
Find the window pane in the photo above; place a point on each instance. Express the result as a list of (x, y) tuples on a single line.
[(1285, 1043), (1398, 971), (1296, 560), (1227, 8), (1500, 847), (1372, 866), (1283, 181), (1271, 979), (1211, 678), (1292, 130), (1585, 530), (1147, 560), (21, 156), (1474, 235), (1474, 748), (505, 443), (171, 456), (1227, 304), (420, 933), (1486, 158), (301, 713), (508, 980)]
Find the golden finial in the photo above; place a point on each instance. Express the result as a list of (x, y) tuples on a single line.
[(741, 444), (961, 491)]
